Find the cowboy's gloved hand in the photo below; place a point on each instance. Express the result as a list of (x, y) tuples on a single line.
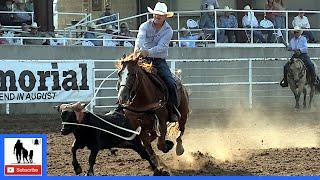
[(297, 51)]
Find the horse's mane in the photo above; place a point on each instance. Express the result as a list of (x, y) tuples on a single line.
[(135, 57)]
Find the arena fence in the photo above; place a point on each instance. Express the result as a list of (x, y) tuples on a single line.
[(212, 83)]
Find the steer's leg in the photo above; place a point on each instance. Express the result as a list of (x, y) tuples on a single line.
[(92, 161), (144, 154), (77, 168)]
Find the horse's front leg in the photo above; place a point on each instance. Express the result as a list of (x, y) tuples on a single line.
[(182, 123), (312, 88), (153, 159), (163, 144), (92, 161), (76, 166), (297, 94)]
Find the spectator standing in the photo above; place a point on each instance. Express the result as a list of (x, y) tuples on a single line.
[(269, 15), (279, 17), (207, 18), (29, 6), (302, 21), (7, 18), (228, 20), (249, 20), (21, 17), (108, 17)]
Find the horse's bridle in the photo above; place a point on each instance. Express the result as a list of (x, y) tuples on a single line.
[(135, 88)]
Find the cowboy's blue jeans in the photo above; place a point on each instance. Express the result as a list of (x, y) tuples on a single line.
[(307, 62), (166, 75)]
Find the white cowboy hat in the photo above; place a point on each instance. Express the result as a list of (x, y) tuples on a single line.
[(34, 25), (183, 29), (109, 27), (211, 7), (160, 9), (297, 29), (92, 25), (227, 8), (247, 7)]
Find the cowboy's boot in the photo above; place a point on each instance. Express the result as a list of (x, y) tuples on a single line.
[(175, 114), (315, 81), (284, 82)]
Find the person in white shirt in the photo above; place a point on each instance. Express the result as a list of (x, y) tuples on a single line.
[(186, 35), (302, 21), (267, 24), (248, 21)]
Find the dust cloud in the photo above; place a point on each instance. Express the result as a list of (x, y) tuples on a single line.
[(244, 132)]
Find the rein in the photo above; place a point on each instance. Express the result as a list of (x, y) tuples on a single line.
[(147, 109)]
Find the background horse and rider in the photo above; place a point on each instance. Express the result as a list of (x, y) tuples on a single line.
[(299, 79)]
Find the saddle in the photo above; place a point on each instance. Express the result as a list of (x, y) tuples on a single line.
[(158, 82)]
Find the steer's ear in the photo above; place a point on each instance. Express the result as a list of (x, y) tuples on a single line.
[(57, 107)]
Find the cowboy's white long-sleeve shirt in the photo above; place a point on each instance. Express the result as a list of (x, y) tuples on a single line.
[(153, 40)]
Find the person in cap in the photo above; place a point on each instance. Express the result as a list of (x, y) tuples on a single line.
[(152, 43), (227, 21), (299, 46), (34, 33), (91, 34), (108, 36), (207, 20), (124, 34)]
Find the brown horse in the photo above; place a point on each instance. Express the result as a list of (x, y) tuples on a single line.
[(298, 80), (145, 103)]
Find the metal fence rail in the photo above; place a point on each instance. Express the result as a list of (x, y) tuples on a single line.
[(255, 81)]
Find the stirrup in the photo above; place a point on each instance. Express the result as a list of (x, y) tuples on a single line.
[(283, 83)]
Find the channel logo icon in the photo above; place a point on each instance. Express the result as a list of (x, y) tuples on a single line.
[(23, 156)]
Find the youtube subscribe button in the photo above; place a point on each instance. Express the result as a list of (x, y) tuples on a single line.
[(23, 170)]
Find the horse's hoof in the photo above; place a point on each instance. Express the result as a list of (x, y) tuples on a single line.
[(179, 149), (78, 170), (89, 174), (168, 147), (161, 172)]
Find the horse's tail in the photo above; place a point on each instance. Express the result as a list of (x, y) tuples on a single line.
[(317, 89)]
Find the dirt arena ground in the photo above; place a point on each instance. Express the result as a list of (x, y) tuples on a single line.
[(227, 142)]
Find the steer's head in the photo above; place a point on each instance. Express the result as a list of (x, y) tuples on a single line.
[(71, 113)]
